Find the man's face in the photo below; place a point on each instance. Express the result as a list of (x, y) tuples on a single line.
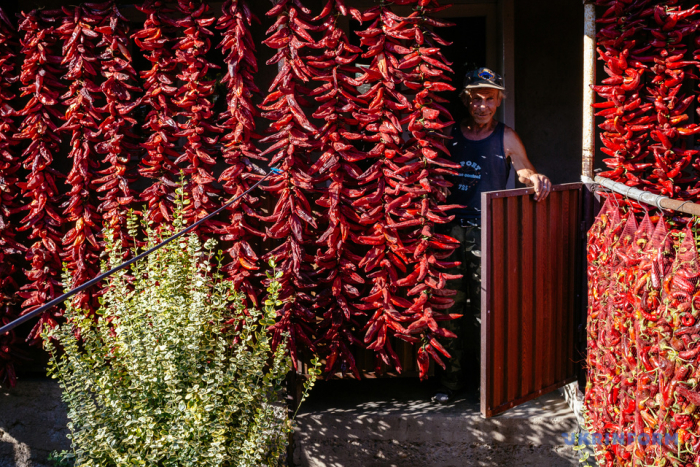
[(483, 104)]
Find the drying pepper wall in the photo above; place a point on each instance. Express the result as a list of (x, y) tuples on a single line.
[(158, 103), (642, 263)]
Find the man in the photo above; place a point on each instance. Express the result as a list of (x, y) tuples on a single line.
[(485, 149)]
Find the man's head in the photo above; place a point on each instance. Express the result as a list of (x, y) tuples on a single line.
[(482, 95)]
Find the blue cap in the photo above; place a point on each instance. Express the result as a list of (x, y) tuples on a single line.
[(483, 78)]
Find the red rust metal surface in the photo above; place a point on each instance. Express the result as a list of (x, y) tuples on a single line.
[(530, 269)]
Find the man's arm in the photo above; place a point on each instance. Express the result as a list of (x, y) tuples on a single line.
[(526, 171)]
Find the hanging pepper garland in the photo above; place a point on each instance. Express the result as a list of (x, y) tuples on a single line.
[(39, 76), (238, 125), (643, 279), (355, 205), (423, 178), (194, 104), (119, 147), (292, 138), (642, 45), (156, 40), (339, 282), (82, 118), (379, 124), (668, 73), (10, 250), (393, 215)]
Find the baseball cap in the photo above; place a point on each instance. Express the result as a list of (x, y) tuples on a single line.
[(483, 78)]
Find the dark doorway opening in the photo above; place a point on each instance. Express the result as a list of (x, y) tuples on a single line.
[(467, 52)]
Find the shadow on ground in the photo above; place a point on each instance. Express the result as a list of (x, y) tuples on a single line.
[(370, 423), (391, 422)]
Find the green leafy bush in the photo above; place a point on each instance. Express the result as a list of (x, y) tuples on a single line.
[(174, 370)]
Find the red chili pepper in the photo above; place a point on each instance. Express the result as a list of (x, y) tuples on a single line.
[(82, 120), (118, 144), (293, 219), (687, 320), (193, 100), (156, 40), (423, 363), (10, 164), (239, 151), (39, 75)]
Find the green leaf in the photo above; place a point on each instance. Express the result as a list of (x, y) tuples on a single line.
[(155, 381)]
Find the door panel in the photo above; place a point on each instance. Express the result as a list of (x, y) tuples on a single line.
[(530, 268)]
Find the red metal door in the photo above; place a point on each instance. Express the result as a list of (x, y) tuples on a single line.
[(530, 279)]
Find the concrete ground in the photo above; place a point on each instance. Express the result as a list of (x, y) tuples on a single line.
[(371, 423), (386, 423)]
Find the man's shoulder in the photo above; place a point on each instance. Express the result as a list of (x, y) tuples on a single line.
[(509, 133), (508, 130), (512, 143)]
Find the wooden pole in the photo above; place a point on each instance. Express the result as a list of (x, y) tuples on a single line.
[(589, 77), (588, 161)]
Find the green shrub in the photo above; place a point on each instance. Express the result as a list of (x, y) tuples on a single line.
[(161, 377)]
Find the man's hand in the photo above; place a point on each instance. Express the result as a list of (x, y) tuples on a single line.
[(515, 150), (542, 186)]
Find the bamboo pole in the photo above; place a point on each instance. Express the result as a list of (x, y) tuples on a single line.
[(589, 77), (661, 202)]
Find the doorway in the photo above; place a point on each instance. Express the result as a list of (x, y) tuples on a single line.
[(467, 52), (482, 36)]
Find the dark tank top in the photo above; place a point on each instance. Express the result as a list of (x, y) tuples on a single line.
[(484, 167)]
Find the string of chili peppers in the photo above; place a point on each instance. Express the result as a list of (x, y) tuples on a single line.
[(292, 137), (622, 392), (379, 124), (668, 74), (156, 41), (642, 45), (622, 43), (395, 203), (38, 130), (603, 363), (239, 151), (10, 249), (194, 104), (693, 191), (119, 145), (425, 166), (640, 344), (82, 117), (335, 171)]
